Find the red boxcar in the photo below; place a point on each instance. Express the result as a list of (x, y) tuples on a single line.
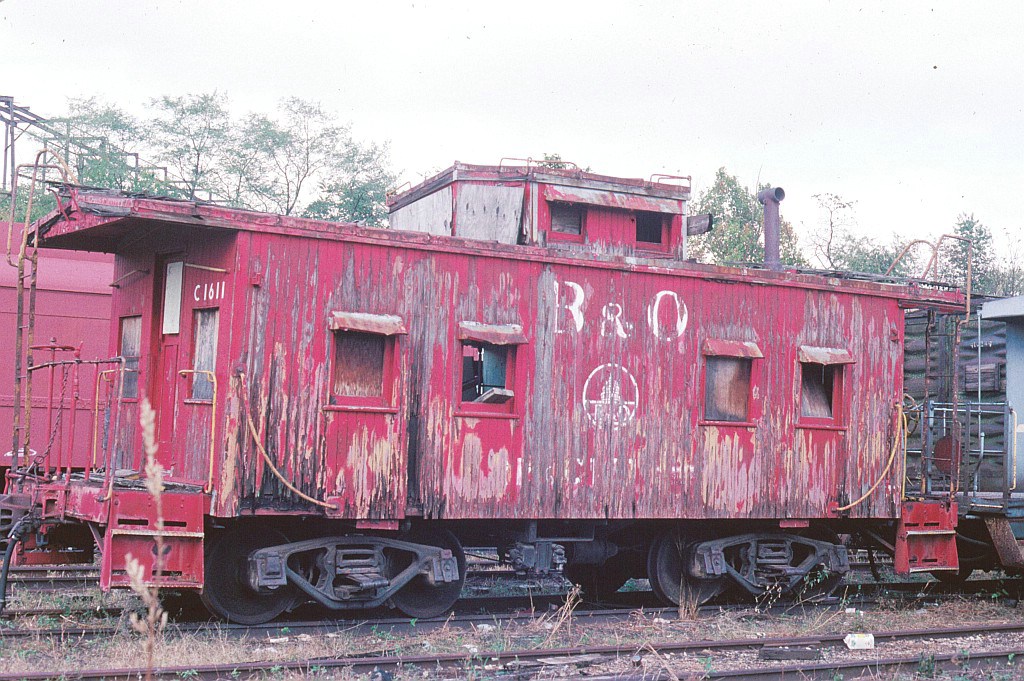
[(525, 360), (72, 309)]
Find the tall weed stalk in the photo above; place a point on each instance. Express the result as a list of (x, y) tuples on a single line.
[(152, 624)]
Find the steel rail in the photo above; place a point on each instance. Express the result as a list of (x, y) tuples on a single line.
[(54, 582), (364, 664), (39, 578), (507, 611), (16, 613), (842, 668)]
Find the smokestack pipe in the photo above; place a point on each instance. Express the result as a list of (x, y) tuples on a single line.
[(769, 198)]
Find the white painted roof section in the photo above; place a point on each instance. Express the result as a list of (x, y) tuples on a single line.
[(1003, 308)]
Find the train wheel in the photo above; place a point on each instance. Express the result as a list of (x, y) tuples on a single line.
[(226, 591), (419, 598), (668, 580), (819, 583)]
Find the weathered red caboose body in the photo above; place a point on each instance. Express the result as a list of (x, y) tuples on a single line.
[(525, 360)]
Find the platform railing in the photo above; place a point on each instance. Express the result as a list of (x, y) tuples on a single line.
[(967, 449), (63, 453)]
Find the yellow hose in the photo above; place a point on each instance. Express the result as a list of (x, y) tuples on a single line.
[(266, 457), (900, 421)]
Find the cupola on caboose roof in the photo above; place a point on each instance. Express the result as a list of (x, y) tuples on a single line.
[(552, 206)]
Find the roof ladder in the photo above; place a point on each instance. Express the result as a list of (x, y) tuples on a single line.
[(26, 260)]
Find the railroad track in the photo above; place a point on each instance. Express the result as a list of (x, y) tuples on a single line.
[(469, 613), (851, 594), (658, 660), (50, 579)]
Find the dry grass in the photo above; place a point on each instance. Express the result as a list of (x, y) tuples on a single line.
[(560, 628)]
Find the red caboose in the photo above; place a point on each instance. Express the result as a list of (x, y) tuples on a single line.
[(525, 360)]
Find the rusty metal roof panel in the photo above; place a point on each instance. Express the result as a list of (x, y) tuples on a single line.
[(611, 199), (496, 334), (384, 324), (809, 353), (727, 348)]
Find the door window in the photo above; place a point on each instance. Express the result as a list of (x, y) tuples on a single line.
[(204, 351), (131, 340), (173, 276)]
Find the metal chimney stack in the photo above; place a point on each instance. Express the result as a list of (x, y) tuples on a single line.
[(770, 198)]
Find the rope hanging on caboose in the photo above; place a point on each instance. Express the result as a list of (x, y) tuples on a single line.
[(266, 457), (901, 429)]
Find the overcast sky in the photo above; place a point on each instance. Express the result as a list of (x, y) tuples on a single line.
[(915, 111)]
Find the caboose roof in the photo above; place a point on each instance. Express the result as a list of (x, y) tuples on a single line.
[(635, 193), (103, 220)]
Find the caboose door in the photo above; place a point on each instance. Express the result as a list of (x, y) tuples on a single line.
[(164, 385)]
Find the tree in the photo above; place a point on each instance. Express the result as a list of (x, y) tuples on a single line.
[(825, 241), (556, 162), (836, 246), (42, 204), (191, 134), (737, 236), (867, 255), (272, 160), (355, 185), (104, 143), (1009, 270), (955, 254)]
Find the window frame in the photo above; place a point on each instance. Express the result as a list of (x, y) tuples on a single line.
[(838, 359), (173, 297), (662, 244), (748, 350), (509, 336), (138, 358), (391, 328), (194, 377), (567, 237)]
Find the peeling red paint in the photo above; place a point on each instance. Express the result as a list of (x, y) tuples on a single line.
[(604, 408)]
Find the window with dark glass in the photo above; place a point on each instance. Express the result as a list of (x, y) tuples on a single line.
[(650, 227), (131, 341), (485, 373), (566, 218), (358, 364), (727, 389), (204, 352)]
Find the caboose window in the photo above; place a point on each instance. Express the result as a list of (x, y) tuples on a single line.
[(488, 364), (173, 277), (728, 371), (204, 351), (650, 228), (485, 373), (821, 384), (817, 389), (365, 351), (727, 389), (566, 218), (131, 341), (358, 364)]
